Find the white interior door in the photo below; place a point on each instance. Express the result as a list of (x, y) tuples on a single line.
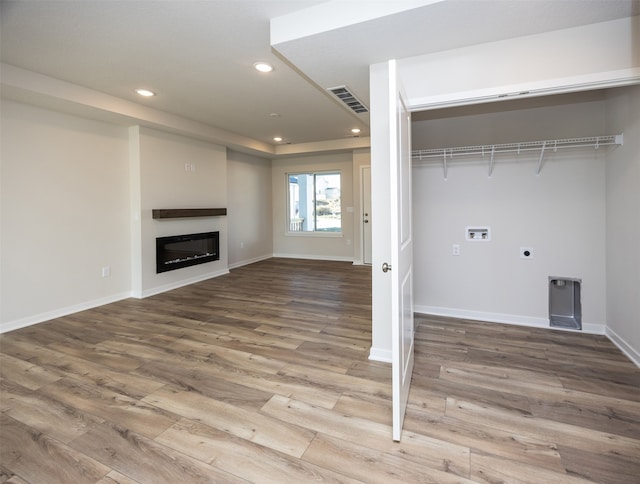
[(402, 324), (366, 215)]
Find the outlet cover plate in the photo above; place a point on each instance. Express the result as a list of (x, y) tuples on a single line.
[(526, 252)]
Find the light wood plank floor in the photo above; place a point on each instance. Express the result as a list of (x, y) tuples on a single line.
[(262, 376)]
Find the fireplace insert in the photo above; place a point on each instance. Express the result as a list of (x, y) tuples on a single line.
[(180, 251)]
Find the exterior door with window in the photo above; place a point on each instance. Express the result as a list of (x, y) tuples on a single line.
[(366, 215)]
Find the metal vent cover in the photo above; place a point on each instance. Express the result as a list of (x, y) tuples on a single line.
[(346, 96)]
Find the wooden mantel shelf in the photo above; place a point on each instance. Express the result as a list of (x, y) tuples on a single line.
[(187, 212)]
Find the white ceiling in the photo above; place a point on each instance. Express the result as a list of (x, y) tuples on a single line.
[(198, 55)]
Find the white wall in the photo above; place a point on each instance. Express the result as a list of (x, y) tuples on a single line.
[(569, 59), (313, 246), (65, 214), (560, 214), (623, 222), (249, 208), (164, 183)]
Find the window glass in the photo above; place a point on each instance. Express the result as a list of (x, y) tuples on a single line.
[(314, 202)]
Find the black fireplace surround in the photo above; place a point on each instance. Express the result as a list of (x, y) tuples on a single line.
[(180, 251)]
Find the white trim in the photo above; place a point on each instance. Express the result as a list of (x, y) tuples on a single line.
[(379, 354), (336, 258), (246, 262), (517, 320), (625, 347), (184, 282), (60, 312), (313, 234), (587, 82)]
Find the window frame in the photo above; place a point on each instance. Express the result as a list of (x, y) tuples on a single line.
[(288, 220)]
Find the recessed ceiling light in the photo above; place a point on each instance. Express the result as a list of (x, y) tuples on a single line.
[(355, 130), (277, 139), (145, 92), (263, 66)]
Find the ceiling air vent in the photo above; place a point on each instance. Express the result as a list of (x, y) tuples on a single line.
[(352, 102)]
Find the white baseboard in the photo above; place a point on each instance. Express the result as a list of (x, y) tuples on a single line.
[(625, 347), (246, 262), (60, 312), (514, 319), (315, 257), (378, 354), (184, 282)]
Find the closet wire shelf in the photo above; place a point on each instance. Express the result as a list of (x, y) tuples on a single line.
[(447, 154)]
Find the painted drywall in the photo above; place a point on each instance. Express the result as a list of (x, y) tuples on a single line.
[(581, 56), (559, 213), (623, 222), (313, 246), (65, 214), (249, 208), (175, 172)]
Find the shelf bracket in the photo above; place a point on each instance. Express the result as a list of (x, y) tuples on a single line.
[(544, 145), (444, 163), (493, 151)]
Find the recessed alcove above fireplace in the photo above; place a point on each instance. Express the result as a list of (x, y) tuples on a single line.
[(178, 251)]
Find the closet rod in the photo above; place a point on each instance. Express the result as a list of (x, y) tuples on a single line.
[(587, 142)]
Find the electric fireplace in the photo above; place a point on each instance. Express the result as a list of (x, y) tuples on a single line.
[(180, 251)]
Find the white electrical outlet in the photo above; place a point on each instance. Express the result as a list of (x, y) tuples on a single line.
[(526, 253), (106, 271), (455, 249)]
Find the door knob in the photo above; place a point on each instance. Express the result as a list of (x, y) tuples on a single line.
[(386, 267)]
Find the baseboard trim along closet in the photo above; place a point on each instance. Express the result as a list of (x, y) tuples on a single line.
[(381, 355), (517, 320), (625, 347)]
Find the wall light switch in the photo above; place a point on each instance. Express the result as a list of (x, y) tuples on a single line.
[(106, 271), (455, 249)]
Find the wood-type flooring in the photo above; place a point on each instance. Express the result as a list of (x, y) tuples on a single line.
[(262, 375)]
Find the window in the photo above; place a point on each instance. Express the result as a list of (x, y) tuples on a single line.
[(314, 203)]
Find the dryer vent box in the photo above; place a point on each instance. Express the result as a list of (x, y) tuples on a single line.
[(565, 307)]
